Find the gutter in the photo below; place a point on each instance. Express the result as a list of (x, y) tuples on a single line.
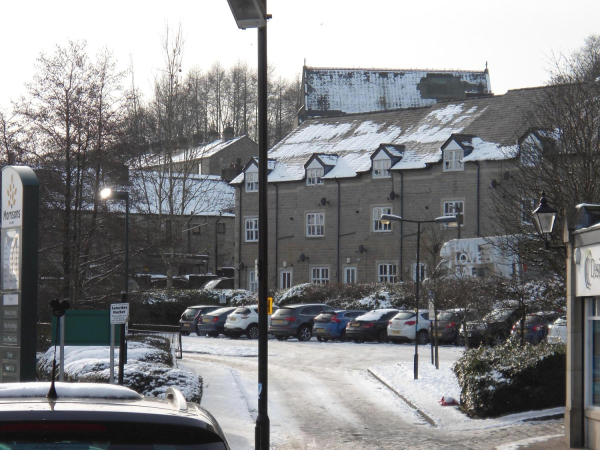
[(240, 240), (339, 206)]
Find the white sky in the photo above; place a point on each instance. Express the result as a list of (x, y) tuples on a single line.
[(516, 38)]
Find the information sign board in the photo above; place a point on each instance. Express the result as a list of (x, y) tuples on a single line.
[(119, 312)]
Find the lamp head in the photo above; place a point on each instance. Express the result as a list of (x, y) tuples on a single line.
[(106, 193), (387, 218), (544, 217)]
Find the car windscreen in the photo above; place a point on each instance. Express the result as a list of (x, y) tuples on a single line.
[(446, 315), (284, 312), (326, 315), (190, 313), (75, 435), (404, 315), (242, 310), (372, 315), (211, 284), (218, 312), (498, 315)]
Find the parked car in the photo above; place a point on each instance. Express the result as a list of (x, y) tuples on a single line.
[(244, 320), (557, 331), (403, 327), (371, 326), (536, 326), (448, 326), (332, 324), (494, 328), (213, 323), (189, 318), (219, 283), (99, 415), (296, 320)]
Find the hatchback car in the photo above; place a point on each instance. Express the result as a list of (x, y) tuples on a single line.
[(244, 320), (493, 329), (557, 331), (403, 327), (536, 326), (189, 318), (94, 415), (296, 320), (213, 323), (332, 324), (448, 325), (371, 326)]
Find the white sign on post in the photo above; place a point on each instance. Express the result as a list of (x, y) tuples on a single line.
[(119, 313)]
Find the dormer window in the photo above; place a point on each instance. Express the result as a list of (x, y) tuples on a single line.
[(453, 160), (381, 168), (251, 179), (313, 176)]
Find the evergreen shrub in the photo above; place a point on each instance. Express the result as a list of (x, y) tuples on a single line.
[(509, 378)]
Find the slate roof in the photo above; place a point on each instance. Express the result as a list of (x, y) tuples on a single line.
[(492, 125), (331, 91)]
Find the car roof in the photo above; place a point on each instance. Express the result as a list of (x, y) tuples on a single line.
[(299, 305), (220, 311), (203, 306)]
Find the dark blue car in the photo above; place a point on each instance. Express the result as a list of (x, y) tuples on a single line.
[(536, 326), (332, 324)]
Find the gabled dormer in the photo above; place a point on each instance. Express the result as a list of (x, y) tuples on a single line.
[(384, 158), (454, 150), (250, 171), (318, 165), (535, 144)]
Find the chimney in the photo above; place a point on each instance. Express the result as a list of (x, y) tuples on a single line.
[(228, 133)]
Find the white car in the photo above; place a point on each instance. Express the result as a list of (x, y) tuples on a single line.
[(557, 331), (401, 327), (243, 320)]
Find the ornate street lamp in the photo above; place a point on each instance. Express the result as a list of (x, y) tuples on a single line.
[(386, 219), (544, 217)]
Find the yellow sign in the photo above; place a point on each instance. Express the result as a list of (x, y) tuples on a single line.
[(269, 305)]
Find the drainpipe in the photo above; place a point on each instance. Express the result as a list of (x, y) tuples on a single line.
[(240, 240), (402, 222), (339, 206), (478, 192), (276, 232)]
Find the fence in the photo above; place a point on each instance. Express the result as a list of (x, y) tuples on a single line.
[(167, 331)]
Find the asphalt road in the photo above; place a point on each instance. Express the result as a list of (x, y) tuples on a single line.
[(321, 396)]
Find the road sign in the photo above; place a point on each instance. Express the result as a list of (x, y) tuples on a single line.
[(119, 312), (269, 305)]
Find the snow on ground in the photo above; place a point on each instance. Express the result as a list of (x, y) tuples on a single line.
[(191, 346), (524, 442), (426, 393)]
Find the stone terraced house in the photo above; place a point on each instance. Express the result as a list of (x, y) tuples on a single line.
[(332, 177)]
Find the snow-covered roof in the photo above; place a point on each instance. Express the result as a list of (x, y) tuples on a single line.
[(201, 195), (490, 126), (193, 153), (348, 91)]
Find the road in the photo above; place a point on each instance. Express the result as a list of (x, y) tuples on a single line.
[(321, 396)]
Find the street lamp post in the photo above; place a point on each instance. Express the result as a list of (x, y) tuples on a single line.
[(386, 219), (252, 14), (107, 194)]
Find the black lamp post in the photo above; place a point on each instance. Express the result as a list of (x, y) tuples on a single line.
[(386, 219), (108, 194), (544, 217), (251, 14)]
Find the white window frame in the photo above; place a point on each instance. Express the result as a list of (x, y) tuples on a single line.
[(285, 273), (252, 281), (381, 168), (423, 273), (449, 209), (319, 275), (251, 229), (379, 227), (453, 160), (387, 272), (313, 176), (315, 224), (350, 275), (251, 181)]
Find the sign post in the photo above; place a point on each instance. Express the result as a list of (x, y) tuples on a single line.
[(119, 313), (19, 254)]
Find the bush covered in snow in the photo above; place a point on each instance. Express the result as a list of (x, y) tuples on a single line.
[(348, 296), (164, 307), (511, 378), (149, 369)]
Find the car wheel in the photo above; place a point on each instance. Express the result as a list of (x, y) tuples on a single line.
[(343, 337), (321, 339), (282, 338), (304, 333), (383, 337), (252, 331), (422, 337)]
